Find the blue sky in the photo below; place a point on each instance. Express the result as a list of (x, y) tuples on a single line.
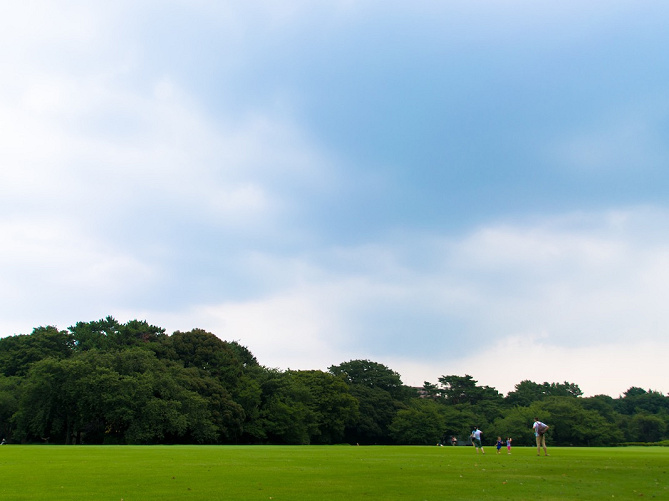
[(455, 187)]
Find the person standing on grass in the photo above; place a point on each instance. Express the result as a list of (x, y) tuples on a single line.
[(508, 445), (476, 439), (540, 433), (499, 444)]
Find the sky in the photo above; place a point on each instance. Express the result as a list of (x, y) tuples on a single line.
[(460, 187)]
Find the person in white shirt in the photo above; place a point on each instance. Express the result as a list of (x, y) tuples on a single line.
[(476, 439), (540, 434)]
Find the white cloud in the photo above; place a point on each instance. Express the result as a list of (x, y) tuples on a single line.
[(578, 304), (608, 369), (584, 286), (52, 269), (89, 139), (91, 165), (100, 148), (297, 329)]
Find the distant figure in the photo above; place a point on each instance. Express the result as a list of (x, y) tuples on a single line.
[(540, 433), (3, 442), (454, 441), (499, 444), (508, 445), (476, 439)]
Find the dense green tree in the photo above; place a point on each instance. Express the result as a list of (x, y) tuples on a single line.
[(571, 424), (248, 394), (9, 404), (634, 391), (517, 423), (645, 427), (527, 392), (377, 409), (430, 390), (107, 382), (220, 418), (95, 335), (464, 390), (138, 333), (18, 353), (602, 404), (108, 334), (107, 400), (460, 420), (130, 397), (488, 410), (372, 375), (303, 407), (380, 394), (421, 423), (638, 400), (332, 404), (230, 363), (48, 408), (286, 413), (565, 389), (175, 404), (243, 354), (209, 354)]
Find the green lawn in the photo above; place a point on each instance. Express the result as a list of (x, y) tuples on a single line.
[(136, 473)]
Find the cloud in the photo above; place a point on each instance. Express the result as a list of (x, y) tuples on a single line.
[(52, 269), (576, 298), (200, 165), (120, 187), (625, 140), (581, 284), (608, 369)]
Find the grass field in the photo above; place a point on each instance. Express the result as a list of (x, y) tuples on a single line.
[(136, 473)]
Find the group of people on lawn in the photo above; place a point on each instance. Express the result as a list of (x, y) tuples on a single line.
[(538, 427)]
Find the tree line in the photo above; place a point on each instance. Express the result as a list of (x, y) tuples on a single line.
[(105, 382)]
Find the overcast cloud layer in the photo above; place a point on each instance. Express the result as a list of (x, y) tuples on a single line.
[(455, 187)]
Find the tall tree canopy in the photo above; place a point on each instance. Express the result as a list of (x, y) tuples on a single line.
[(108, 382)]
